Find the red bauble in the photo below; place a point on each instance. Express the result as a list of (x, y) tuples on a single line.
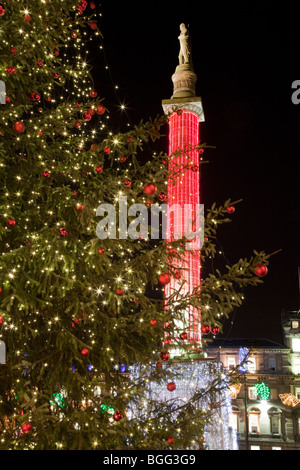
[(85, 352), (127, 183), (205, 329), (153, 322), (101, 251), (119, 291), (26, 428), (19, 127), (86, 116), (27, 18), (164, 279), (11, 222), (92, 5), (93, 93), (122, 159), (158, 364), (46, 174), (184, 336), (77, 124), (165, 356), (118, 416), (261, 270), (13, 50), (215, 330), (79, 207), (171, 386), (75, 322), (230, 209), (33, 96), (99, 169), (100, 109), (2, 10), (93, 25), (63, 232), (171, 440), (106, 150), (150, 189), (1, 319), (162, 196)]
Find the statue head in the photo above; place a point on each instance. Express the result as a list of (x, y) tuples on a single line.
[(183, 28)]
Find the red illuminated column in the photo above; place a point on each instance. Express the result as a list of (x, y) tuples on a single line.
[(185, 113), (184, 190)]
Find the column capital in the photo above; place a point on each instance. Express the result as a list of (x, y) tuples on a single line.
[(193, 104)]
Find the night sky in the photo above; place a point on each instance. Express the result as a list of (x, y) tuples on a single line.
[(246, 56)]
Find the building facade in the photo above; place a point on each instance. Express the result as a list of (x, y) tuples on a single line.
[(266, 400)]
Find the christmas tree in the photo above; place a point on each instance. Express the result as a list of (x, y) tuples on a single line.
[(82, 311)]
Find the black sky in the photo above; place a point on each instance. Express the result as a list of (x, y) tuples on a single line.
[(246, 56)]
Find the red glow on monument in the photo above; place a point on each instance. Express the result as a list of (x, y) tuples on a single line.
[(184, 188)]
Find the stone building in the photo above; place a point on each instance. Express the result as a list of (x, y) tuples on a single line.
[(266, 401)]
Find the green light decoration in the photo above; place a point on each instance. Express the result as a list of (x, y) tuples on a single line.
[(58, 400), (107, 409), (263, 391)]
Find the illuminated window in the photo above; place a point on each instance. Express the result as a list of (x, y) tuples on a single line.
[(295, 324), (253, 419), (296, 365), (251, 367), (234, 419), (231, 362), (254, 448), (297, 392), (296, 344), (276, 448), (252, 393)]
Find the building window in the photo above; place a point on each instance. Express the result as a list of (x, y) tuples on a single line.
[(275, 424), (272, 363), (296, 366), (252, 393), (251, 365), (231, 362), (297, 392), (276, 448), (295, 324), (254, 448), (234, 419), (296, 344), (253, 419), (275, 419)]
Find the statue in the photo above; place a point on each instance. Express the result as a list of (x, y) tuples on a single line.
[(185, 56)]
